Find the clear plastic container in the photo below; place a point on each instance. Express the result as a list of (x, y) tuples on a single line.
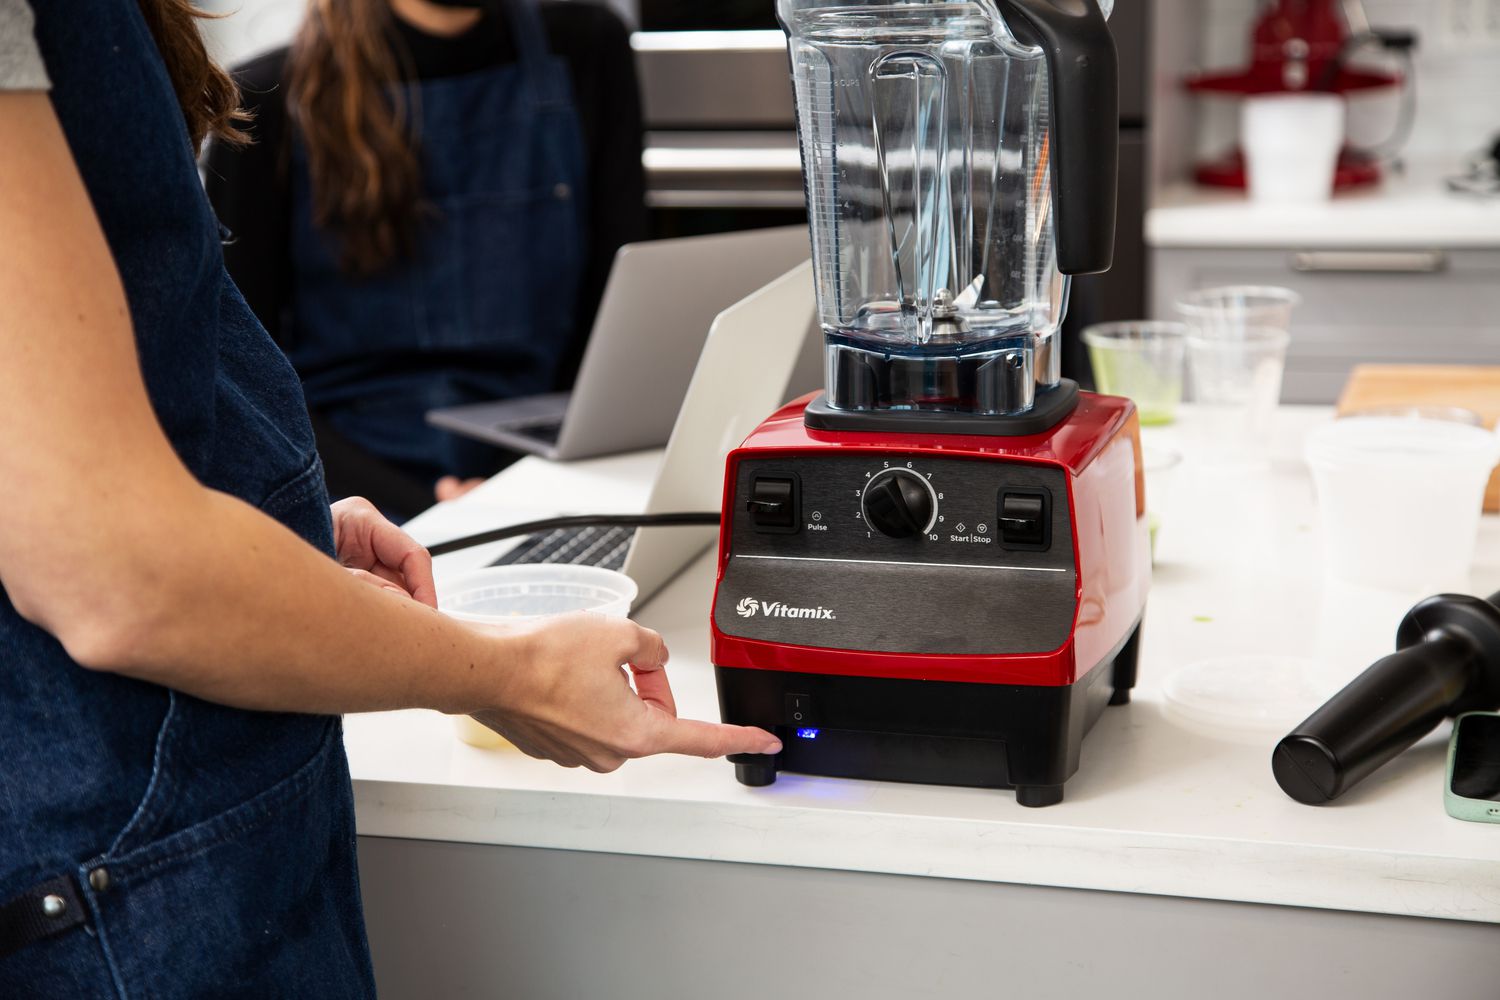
[(929, 152), (1142, 360), (1400, 499), (506, 595), (1231, 310)]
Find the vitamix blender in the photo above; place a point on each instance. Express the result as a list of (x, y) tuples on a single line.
[(936, 571)]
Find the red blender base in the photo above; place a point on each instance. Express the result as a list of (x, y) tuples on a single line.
[(943, 608), (1355, 170)]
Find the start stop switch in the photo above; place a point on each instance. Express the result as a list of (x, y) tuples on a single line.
[(773, 503), (1026, 520)]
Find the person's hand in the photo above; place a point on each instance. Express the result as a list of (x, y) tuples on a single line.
[(568, 698), (380, 553), (451, 488)]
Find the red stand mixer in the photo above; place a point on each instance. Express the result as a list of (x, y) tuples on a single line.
[(936, 571), (1307, 45)]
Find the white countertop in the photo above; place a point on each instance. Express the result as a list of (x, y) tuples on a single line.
[(1409, 211), (1155, 807)]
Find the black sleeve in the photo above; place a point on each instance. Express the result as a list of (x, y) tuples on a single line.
[(595, 43), (251, 195)]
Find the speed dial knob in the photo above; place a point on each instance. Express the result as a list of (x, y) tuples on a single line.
[(900, 504)]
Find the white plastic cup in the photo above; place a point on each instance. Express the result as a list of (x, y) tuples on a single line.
[(1237, 386), (1230, 310), (1400, 499), (1291, 144), (507, 595)]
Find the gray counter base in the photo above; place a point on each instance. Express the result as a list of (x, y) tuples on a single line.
[(461, 920)]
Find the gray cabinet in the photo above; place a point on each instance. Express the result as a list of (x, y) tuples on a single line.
[(1396, 306)]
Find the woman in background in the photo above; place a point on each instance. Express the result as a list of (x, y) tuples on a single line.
[(428, 216)]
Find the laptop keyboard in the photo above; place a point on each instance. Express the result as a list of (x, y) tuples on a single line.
[(602, 547), (547, 431)]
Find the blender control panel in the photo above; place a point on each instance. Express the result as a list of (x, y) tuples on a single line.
[(900, 553), (905, 508)]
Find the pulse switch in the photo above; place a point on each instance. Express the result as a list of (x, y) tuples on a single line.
[(773, 503)]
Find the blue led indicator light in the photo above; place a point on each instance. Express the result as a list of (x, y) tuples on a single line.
[(807, 734)]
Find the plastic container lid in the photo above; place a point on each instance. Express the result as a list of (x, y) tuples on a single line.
[(1244, 697), (516, 593)]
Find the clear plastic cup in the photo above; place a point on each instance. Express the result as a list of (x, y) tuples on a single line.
[(1400, 499), (1141, 360), (1237, 385), (1230, 310), (1292, 144), (506, 595)]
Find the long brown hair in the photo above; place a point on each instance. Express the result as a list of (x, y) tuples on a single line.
[(358, 131), (209, 99)]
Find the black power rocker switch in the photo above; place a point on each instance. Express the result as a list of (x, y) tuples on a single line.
[(773, 503), (1026, 520)]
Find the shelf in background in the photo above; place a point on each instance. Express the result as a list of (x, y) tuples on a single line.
[(1414, 211)]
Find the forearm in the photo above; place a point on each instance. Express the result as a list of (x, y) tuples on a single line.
[(243, 612)]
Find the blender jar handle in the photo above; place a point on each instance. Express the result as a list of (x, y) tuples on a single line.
[(1085, 129)]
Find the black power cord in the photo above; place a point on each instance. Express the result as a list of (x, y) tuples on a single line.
[(577, 521)]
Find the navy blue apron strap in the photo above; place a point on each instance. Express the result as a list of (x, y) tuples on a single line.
[(533, 54), (40, 912)]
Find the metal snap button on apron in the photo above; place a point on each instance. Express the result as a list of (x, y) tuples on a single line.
[(99, 879), (563, 191), (54, 905)]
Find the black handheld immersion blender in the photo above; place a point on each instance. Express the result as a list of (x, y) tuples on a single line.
[(1447, 662)]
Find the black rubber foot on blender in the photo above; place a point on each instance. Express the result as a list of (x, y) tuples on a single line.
[(1037, 796), (755, 775), (1126, 664)]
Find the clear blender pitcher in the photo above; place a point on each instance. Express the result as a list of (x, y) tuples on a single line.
[(959, 162)]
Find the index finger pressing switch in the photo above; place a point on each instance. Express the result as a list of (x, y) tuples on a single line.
[(773, 503)]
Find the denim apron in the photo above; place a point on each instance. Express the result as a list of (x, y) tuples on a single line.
[(484, 309), (196, 850)]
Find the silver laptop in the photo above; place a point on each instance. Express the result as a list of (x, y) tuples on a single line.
[(759, 353), (656, 310)]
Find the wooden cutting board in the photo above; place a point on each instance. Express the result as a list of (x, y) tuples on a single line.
[(1472, 387)]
